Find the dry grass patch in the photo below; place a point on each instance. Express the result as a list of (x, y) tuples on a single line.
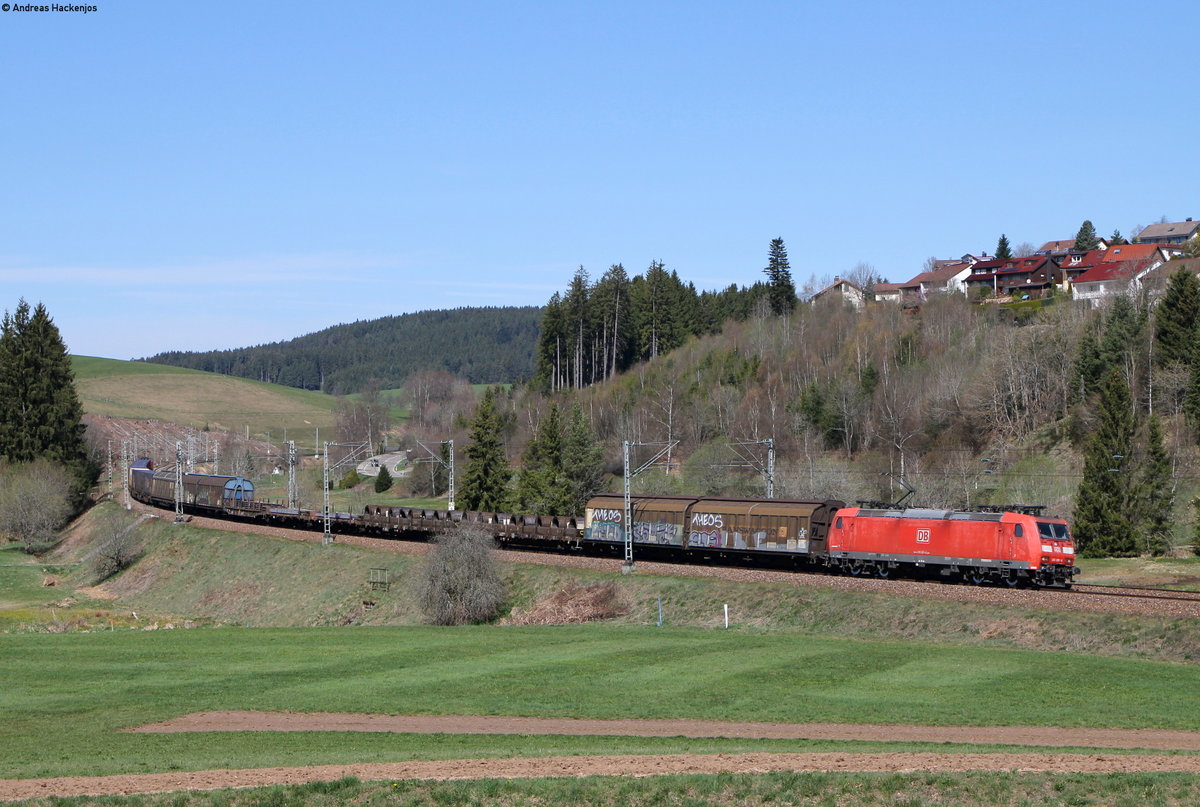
[(574, 603)]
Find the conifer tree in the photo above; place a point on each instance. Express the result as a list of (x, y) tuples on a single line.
[(1003, 249), (1175, 319), (1104, 504), (583, 462), (1123, 329), (40, 413), (549, 373), (1086, 239), (383, 481), (1191, 396), (1116, 239), (485, 480), (1155, 495), (1088, 366), (781, 291), (541, 487)]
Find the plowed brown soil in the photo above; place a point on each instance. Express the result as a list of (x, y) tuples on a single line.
[(499, 724), (623, 765), (634, 765)]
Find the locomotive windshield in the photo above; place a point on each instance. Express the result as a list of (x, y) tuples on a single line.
[(1048, 530)]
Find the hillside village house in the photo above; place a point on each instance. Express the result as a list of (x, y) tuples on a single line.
[(1114, 270), (1019, 278), (844, 289), (1057, 266), (1175, 232)]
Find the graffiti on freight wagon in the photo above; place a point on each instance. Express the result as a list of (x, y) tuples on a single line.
[(773, 540), (644, 532)]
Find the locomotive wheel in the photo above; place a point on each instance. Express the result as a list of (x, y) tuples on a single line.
[(882, 571), (856, 568), (1012, 581), (977, 578)]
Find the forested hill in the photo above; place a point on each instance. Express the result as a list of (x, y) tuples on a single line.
[(481, 345)]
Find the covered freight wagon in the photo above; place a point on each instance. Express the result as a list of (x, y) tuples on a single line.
[(728, 526)]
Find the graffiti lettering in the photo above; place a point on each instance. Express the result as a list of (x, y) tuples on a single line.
[(701, 538), (708, 520), (646, 532), (608, 515)]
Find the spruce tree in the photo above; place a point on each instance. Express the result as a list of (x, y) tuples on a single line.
[(1003, 250), (40, 413), (541, 488), (1155, 495), (383, 481), (1104, 504), (1116, 239), (781, 291), (485, 480), (583, 462), (1191, 396), (1088, 366), (1086, 239), (1175, 319), (1123, 329)]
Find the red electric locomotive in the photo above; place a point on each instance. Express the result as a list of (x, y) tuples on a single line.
[(1011, 547)]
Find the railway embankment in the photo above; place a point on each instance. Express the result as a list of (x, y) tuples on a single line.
[(217, 573)]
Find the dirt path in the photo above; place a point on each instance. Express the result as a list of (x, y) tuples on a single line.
[(630, 764), (1156, 739), (623, 765)]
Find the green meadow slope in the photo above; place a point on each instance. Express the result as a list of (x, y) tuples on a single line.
[(128, 389)]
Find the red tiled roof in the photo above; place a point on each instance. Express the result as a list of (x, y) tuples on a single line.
[(1112, 270), (1131, 252), (942, 274), (1029, 264)]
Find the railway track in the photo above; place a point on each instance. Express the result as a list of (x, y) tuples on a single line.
[(1137, 592), (1101, 599)]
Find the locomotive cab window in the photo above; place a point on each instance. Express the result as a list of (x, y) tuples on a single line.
[(1019, 530), (1056, 532), (838, 523)]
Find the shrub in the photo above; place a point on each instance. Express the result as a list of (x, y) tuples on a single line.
[(460, 584), (116, 549), (35, 502), (350, 480)]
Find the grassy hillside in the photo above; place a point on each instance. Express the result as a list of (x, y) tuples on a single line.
[(193, 398)]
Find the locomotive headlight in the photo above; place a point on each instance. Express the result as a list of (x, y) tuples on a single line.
[(1068, 550), (1047, 548)]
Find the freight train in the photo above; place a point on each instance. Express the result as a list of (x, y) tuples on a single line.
[(1014, 547)]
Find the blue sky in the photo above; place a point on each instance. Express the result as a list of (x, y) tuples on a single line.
[(199, 175)]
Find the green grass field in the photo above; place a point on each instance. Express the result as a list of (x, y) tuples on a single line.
[(81, 689), (193, 398), (802, 655)]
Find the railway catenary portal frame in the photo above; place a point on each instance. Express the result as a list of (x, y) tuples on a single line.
[(666, 449), (355, 450)]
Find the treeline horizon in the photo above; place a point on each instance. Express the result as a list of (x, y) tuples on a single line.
[(481, 345)]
